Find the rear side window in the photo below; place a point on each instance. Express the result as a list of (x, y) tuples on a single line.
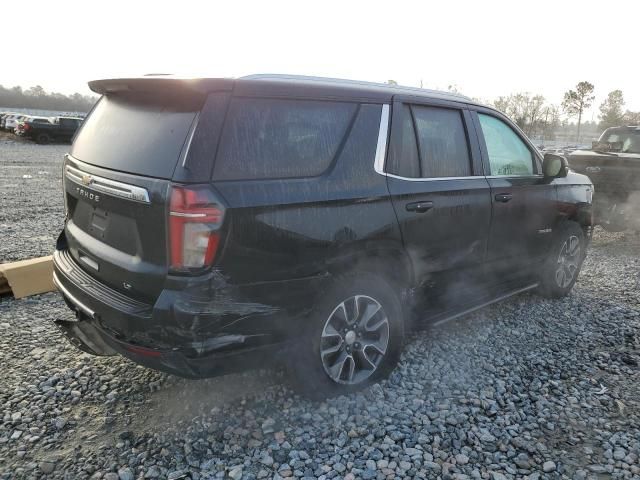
[(508, 154), (442, 142), (270, 138)]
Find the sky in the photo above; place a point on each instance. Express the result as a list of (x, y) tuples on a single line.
[(486, 48)]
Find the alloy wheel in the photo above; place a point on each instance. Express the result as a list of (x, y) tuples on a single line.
[(568, 261), (354, 340)]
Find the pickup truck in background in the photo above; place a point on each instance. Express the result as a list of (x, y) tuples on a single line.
[(613, 164), (57, 128), (19, 130)]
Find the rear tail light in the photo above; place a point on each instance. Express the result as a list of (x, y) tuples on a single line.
[(25, 127), (195, 218)]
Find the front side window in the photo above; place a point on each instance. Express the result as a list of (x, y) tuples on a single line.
[(442, 142), (270, 138), (508, 154)]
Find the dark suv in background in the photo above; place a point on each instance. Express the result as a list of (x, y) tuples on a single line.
[(613, 164), (215, 224)]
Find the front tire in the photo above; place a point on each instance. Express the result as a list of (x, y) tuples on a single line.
[(561, 269), (355, 337)]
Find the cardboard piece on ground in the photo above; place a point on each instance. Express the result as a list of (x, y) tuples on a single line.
[(27, 277)]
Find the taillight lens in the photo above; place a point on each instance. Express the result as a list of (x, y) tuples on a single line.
[(195, 217), (25, 127)]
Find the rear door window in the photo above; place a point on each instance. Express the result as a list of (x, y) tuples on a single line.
[(275, 138), (429, 142), (403, 151), (442, 142)]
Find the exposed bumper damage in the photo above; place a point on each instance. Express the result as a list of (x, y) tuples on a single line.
[(206, 328)]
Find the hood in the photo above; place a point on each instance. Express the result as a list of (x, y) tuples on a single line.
[(594, 154)]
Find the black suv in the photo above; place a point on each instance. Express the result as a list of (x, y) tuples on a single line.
[(216, 224)]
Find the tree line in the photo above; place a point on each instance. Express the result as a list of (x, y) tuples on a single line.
[(38, 99), (531, 112), (536, 117)]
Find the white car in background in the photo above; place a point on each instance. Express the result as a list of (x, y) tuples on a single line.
[(11, 122), (3, 118)]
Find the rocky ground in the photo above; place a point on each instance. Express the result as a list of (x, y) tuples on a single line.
[(530, 388), (31, 199)]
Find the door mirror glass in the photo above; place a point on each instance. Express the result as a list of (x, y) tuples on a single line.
[(554, 166)]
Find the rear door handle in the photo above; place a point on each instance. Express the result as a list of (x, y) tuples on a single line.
[(419, 207), (503, 197)]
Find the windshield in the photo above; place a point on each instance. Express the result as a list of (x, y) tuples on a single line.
[(628, 141)]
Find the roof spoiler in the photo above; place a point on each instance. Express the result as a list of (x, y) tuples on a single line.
[(162, 83)]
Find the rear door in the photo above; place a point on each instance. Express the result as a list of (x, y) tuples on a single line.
[(438, 191), (117, 182), (524, 203)]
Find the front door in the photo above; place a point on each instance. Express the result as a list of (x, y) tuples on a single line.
[(523, 201)]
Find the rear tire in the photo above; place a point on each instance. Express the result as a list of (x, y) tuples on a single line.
[(43, 138), (354, 338), (561, 269)]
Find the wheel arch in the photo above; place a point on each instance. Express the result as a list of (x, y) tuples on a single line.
[(582, 215), (388, 260)]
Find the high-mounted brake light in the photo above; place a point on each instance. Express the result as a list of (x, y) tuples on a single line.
[(195, 218)]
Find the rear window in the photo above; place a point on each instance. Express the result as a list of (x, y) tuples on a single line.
[(69, 122), (142, 134), (269, 138)]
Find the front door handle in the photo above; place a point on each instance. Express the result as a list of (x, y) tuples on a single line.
[(503, 197), (419, 207)]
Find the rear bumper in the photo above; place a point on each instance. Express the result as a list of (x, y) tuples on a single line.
[(89, 337), (184, 333)]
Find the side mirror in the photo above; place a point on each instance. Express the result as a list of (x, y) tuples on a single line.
[(554, 166)]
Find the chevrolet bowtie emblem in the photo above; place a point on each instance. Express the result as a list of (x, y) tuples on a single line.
[(86, 179)]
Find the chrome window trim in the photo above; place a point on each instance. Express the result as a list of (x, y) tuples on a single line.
[(185, 152), (431, 179), (537, 175), (381, 146), (107, 186)]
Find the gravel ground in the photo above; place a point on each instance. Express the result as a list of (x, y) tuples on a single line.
[(31, 202), (529, 388)]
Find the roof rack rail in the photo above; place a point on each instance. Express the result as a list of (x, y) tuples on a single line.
[(362, 83)]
